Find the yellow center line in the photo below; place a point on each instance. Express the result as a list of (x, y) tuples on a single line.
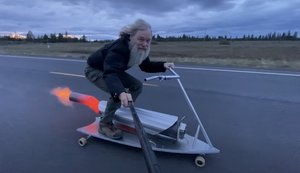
[(82, 76)]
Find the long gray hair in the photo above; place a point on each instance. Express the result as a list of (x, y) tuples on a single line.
[(131, 29)]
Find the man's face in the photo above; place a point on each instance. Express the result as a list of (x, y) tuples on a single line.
[(139, 47), (142, 39)]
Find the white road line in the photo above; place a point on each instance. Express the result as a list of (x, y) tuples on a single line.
[(42, 58), (178, 67), (67, 74), (82, 76), (149, 84), (241, 71)]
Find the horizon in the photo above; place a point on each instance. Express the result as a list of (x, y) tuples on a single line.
[(99, 20), (163, 36)]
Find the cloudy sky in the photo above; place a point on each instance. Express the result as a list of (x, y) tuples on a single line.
[(102, 19)]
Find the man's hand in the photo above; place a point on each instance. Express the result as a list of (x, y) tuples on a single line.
[(168, 65), (125, 98)]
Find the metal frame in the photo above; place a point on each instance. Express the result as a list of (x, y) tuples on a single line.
[(200, 125)]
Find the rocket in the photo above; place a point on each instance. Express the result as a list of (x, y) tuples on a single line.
[(66, 97)]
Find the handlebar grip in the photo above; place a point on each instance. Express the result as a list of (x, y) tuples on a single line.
[(160, 77)]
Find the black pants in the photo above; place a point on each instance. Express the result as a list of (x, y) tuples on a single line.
[(134, 86)]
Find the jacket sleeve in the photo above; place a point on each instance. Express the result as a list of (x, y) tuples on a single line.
[(152, 67), (115, 63)]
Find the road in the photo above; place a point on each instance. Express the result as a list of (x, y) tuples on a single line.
[(252, 116)]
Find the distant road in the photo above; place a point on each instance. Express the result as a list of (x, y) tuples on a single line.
[(252, 116)]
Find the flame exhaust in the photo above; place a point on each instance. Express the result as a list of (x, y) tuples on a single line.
[(62, 95), (65, 96)]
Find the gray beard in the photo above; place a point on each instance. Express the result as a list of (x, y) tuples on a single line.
[(137, 56)]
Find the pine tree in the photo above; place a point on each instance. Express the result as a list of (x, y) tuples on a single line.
[(83, 39), (30, 36), (53, 38), (45, 38), (60, 37), (295, 35)]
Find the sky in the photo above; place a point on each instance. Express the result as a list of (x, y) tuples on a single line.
[(103, 19)]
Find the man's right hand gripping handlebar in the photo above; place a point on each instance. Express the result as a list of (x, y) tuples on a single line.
[(125, 98)]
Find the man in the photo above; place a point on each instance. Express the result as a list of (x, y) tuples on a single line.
[(106, 68)]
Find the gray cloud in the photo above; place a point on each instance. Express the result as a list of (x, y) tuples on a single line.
[(150, 7), (104, 18)]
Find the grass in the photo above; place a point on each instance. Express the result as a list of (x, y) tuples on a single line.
[(253, 54)]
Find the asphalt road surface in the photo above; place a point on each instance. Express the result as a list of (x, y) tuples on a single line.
[(251, 116)]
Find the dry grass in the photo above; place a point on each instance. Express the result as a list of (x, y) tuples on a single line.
[(258, 54)]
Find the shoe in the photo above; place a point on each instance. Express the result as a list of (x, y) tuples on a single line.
[(109, 130)]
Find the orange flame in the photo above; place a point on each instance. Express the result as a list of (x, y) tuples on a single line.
[(63, 95)]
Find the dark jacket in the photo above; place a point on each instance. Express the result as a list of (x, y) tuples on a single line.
[(113, 58)]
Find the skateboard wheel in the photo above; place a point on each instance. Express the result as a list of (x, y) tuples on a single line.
[(82, 141), (200, 161)]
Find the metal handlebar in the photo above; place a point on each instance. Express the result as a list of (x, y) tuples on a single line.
[(164, 77)]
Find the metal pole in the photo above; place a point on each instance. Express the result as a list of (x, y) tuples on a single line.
[(194, 111), (150, 157)]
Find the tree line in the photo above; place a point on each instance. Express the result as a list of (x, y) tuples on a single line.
[(51, 38), (270, 36)]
